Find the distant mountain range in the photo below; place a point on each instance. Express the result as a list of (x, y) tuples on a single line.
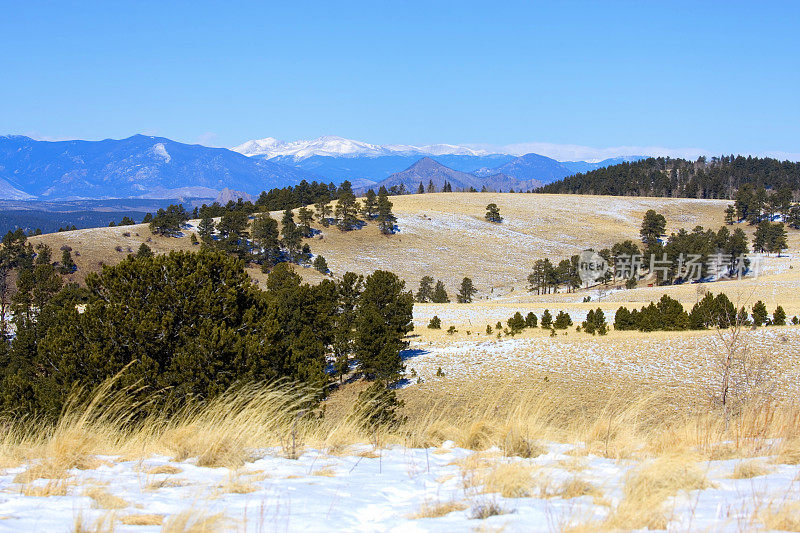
[(155, 167), (427, 170), (136, 167)]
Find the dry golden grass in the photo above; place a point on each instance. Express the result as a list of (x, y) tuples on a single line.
[(749, 469), (326, 471), (104, 524), (51, 488), (435, 509), (789, 452), (142, 519), (649, 485), (165, 469), (104, 499), (165, 483), (194, 522), (784, 517)]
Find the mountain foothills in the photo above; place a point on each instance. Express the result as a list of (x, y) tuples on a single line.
[(158, 168)]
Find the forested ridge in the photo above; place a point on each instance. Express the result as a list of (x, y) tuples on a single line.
[(718, 177)]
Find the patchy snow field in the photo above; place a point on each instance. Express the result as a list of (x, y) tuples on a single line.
[(659, 357), (394, 489)]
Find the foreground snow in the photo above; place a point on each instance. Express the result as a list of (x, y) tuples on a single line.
[(379, 490)]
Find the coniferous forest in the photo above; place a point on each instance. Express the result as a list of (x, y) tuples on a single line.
[(718, 177)]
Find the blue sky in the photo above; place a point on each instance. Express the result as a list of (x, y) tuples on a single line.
[(716, 76)]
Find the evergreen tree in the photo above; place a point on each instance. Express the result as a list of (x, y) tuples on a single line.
[(435, 323), (547, 319), (383, 319), (369, 209), (425, 292), (144, 251), (233, 234), (168, 222), (266, 242), (730, 214), (346, 208), (67, 264), (323, 210), (516, 323), (779, 317), (653, 227), (206, 230), (530, 320), (466, 292), (349, 290), (386, 218), (305, 216), (320, 264), (291, 236), (562, 321), (421, 189), (493, 214), (440, 294), (431, 186)]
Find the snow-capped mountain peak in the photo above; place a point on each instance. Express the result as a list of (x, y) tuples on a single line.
[(334, 146)]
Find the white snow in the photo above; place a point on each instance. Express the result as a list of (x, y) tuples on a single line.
[(380, 490), (161, 151), (270, 147)]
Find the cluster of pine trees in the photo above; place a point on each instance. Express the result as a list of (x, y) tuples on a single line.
[(188, 325), (711, 311), (437, 294), (683, 256), (719, 177)]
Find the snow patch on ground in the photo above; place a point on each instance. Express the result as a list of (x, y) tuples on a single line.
[(381, 490)]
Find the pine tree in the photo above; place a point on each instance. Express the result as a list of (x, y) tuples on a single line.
[(759, 314), (67, 264), (562, 321), (233, 234), (206, 230), (305, 216), (466, 292), (320, 264), (266, 240), (386, 218), (291, 236), (425, 292), (653, 227), (730, 214), (516, 323), (323, 210), (779, 317), (169, 221), (493, 214), (431, 186), (369, 208), (531, 320), (383, 319), (346, 208), (440, 294), (547, 319), (435, 323), (144, 251), (421, 189), (349, 290)]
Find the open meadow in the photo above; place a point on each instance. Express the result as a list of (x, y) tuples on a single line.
[(533, 431)]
